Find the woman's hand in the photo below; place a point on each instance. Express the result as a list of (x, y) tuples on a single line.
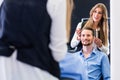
[(78, 31), (98, 42)]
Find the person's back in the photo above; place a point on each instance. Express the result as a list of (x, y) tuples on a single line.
[(28, 27)]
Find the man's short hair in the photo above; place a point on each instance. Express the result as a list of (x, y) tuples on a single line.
[(89, 28)]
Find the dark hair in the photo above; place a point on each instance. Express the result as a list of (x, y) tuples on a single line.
[(89, 28)]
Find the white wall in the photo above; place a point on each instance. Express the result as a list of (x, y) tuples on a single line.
[(115, 39)]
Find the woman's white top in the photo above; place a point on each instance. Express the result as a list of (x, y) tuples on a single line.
[(74, 42)]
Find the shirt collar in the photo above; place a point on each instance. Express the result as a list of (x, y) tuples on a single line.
[(93, 51)]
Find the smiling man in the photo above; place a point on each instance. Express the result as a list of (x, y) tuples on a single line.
[(87, 64)]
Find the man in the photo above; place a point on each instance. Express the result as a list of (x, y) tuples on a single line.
[(88, 63)]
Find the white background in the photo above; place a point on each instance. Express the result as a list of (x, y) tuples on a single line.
[(115, 39)]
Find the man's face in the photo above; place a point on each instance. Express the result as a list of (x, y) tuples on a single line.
[(86, 37)]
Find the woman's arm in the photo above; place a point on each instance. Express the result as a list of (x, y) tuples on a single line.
[(105, 49), (100, 46), (75, 40)]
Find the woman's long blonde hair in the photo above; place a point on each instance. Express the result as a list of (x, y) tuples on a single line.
[(103, 22)]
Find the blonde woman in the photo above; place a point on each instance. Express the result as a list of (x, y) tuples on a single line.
[(98, 20)]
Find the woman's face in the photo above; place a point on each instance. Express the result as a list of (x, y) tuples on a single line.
[(97, 14)]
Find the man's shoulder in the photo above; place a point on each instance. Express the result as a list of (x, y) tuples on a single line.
[(71, 57), (73, 54), (99, 52)]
